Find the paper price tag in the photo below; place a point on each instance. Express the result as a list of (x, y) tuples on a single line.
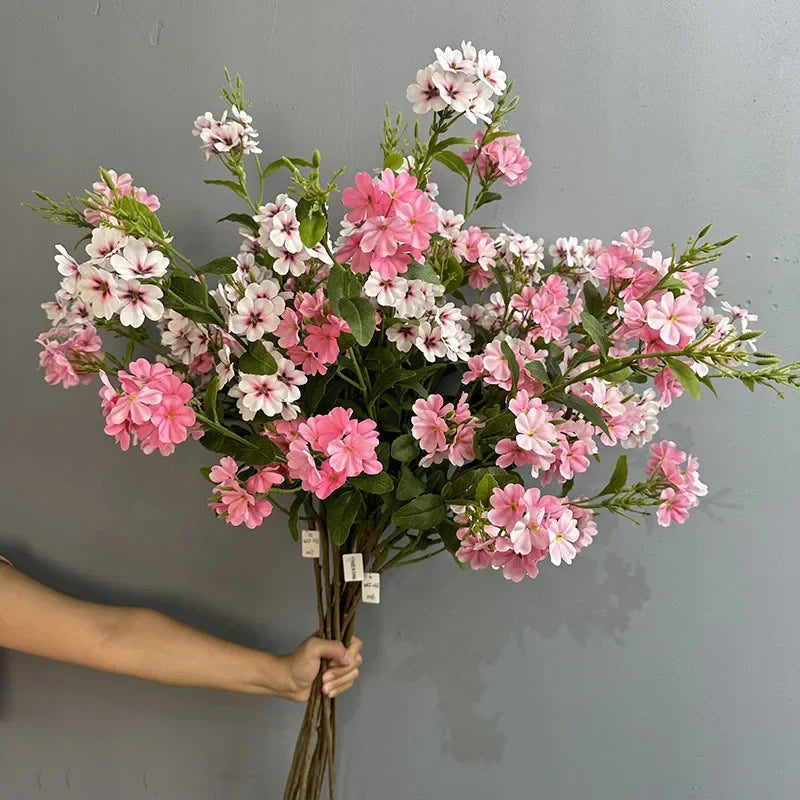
[(371, 587), (353, 564), (309, 543)]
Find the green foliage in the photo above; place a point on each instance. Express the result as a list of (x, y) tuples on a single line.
[(597, 332), (191, 299), (257, 361), (360, 316), (453, 162), (373, 484), (421, 513), (341, 510), (618, 477), (225, 265), (685, 376), (405, 448), (409, 485)]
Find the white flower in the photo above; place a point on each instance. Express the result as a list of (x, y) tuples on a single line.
[(137, 301), (68, 267), (105, 242), (449, 222), (98, 288), (136, 261), (456, 89), (403, 336), (387, 291), (480, 106), (288, 261), (254, 317), (489, 71), (429, 342), (285, 232), (424, 94), (451, 60), (262, 393)]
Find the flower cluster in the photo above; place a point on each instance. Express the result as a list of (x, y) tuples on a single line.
[(329, 448), (519, 528), (444, 431), (310, 333), (151, 408), (503, 157), (682, 472), (389, 225), (226, 135), (242, 499), (416, 370), (463, 81)]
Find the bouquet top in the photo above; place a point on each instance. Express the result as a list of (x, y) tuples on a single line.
[(396, 376)]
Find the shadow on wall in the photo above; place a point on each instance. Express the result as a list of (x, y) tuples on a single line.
[(603, 593)]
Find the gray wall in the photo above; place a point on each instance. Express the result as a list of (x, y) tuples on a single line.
[(662, 664)]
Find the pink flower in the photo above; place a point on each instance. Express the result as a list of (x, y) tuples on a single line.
[(665, 459), (137, 301), (535, 431), (563, 533), (503, 157), (475, 552), (263, 480), (225, 472), (321, 340), (674, 507), (421, 220), (381, 235), (364, 199), (428, 425), (329, 481), (173, 417), (507, 505), (675, 318)]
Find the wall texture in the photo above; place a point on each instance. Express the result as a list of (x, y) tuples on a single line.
[(663, 664)]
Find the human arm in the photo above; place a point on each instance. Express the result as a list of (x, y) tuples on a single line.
[(147, 644)]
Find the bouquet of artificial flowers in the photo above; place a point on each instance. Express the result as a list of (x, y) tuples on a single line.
[(392, 382)]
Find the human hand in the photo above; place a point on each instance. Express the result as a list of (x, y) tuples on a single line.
[(303, 666)]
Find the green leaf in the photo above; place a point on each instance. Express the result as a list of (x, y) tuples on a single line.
[(192, 300), (483, 491), (454, 141), (241, 219), (513, 365), (405, 448), (341, 283), (590, 411), (373, 484), (314, 390), (224, 265), (278, 163), (672, 283), (234, 187), (447, 533), (258, 361), (312, 229), (393, 161), (421, 513), (379, 358), (210, 399), (500, 423), (618, 477), (538, 371), (421, 272), (360, 316), (294, 514), (206, 473), (453, 162), (496, 135), (484, 198), (463, 486), (685, 376), (341, 510), (619, 375), (409, 485), (597, 332), (255, 450), (593, 299), (452, 275), (137, 218)]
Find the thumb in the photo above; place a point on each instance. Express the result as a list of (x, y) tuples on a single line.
[(330, 649)]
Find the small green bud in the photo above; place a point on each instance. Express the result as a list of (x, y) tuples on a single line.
[(316, 159)]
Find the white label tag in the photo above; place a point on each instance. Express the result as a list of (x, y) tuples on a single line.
[(371, 587), (353, 564), (309, 542)]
